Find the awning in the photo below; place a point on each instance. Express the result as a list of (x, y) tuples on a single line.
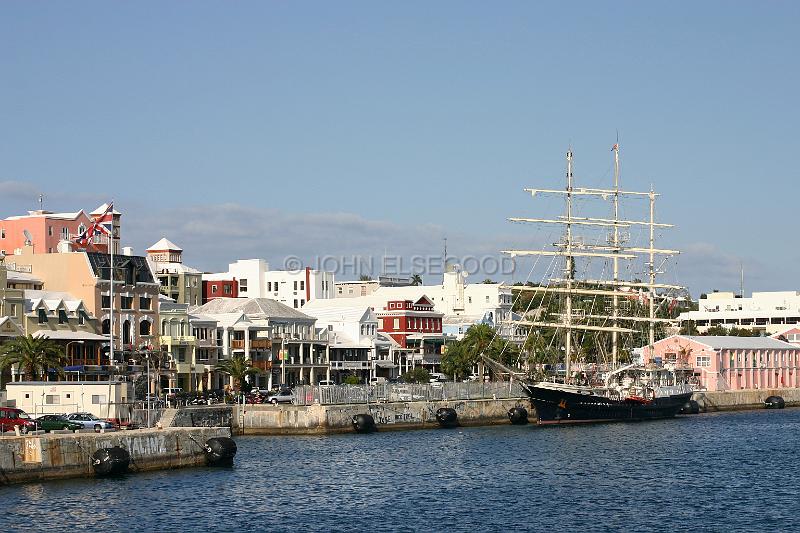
[(62, 335), (385, 364)]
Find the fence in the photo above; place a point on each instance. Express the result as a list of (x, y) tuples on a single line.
[(392, 392)]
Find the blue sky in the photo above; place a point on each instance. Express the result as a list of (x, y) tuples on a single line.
[(266, 129)]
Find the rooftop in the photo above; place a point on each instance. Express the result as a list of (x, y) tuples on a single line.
[(722, 342), (251, 306)]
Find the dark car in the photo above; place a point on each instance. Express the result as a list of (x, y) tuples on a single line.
[(52, 422), (282, 396)]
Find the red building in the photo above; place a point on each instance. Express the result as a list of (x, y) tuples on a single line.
[(409, 322), (220, 288)]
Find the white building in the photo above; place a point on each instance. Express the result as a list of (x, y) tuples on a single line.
[(103, 399), (763, 311), (355, 344), (293, 288), (354, 289)]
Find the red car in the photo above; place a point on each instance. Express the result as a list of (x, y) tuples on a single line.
[(10, 417)]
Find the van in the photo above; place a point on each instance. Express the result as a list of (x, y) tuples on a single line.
[(10, 417)]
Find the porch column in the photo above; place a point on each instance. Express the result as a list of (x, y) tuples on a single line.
[(311, 376)]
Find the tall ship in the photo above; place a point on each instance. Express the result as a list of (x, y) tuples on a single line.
[(601, 305)]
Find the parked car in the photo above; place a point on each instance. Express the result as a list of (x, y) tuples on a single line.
[(10, 417), (89, 421), (282, 396), (52, 422)]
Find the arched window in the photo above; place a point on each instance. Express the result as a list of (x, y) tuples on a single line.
[(126, 332), (106, 326), (144, 328), (164, 330)]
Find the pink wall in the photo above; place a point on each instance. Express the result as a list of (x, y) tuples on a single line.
[(38, 226), (727, 369)]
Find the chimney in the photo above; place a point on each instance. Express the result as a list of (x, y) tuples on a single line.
[(64, 247), (127, 250)]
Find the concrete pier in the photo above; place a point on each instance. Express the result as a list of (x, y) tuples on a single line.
[(53, 456), (317, 419), (735, 400)]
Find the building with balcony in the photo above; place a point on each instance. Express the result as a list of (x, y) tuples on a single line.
[(47, 229), (282, 341), (182, 283), (729, 363), (355, 345)]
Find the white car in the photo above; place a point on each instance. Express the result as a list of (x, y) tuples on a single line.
[(89, 421)]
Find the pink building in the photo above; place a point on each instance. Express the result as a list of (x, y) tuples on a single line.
[(726, 363), (47, 229)]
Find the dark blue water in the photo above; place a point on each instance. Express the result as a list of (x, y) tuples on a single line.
[(717, 472)]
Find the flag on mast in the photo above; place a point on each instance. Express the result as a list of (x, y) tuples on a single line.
[(102, 225)]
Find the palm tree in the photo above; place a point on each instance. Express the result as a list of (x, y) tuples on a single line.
[(238, 368), (416, 279), (34, 356)]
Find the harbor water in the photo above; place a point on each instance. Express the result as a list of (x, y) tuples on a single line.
[(734, 471)]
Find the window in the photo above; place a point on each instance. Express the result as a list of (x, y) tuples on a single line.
[(144, 327), (42, 316), (52, 399), (302, 303), (295, 304), (703, 360), (295, 286), (144, 303), (106, 327), (396, 323), (242, 285), (213, 289), (226, 289), (62, 317), (65, 234), (81, 229), (106, 301), (469, 299), (127, 302), (13, 309), (49, 231), (2, 234), (487, 298), (302, 285), (98, 399), (181, 355)]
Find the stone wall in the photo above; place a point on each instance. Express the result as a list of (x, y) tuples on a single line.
[(52, 456), (743, 399), (291, 419)]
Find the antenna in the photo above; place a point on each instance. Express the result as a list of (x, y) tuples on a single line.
[(741, 280), (41, 202), (444, 256), (28, 237)]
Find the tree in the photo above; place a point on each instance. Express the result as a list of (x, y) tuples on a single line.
[(238, 368), (365, 277), (352, 379), (480, 339), (689, 327), (416, 279), (488, 281), (417, 375), (34, 356)]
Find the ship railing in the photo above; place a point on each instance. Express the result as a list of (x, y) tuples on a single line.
[(397, 392)]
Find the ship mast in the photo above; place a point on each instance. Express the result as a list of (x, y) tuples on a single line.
[(615, 298), (652, 330), (569, 272)]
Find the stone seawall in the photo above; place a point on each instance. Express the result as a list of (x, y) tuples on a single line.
[(53, 456), (743, 399), (316, 419)]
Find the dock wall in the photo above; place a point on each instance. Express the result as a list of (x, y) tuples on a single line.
[(53, 456), (743, 399), (315, 419)]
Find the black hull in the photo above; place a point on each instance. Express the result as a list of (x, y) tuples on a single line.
[(564, 407)]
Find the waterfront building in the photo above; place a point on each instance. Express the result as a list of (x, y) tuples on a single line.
[(46, 230), (178, 281), (768, 312), (219, 286), (179, 345), (12, 309), (355, 344), (280, 340), (255, 280), (67, 321), (86, 276), (104, 399), (417, 329), (730, 363)]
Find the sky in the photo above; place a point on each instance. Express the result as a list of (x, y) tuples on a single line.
[(341, 129)]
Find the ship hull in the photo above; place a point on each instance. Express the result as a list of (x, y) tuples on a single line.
[(556, 406)]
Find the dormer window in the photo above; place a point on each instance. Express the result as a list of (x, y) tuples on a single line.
[(62, 317), (42, 316)]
